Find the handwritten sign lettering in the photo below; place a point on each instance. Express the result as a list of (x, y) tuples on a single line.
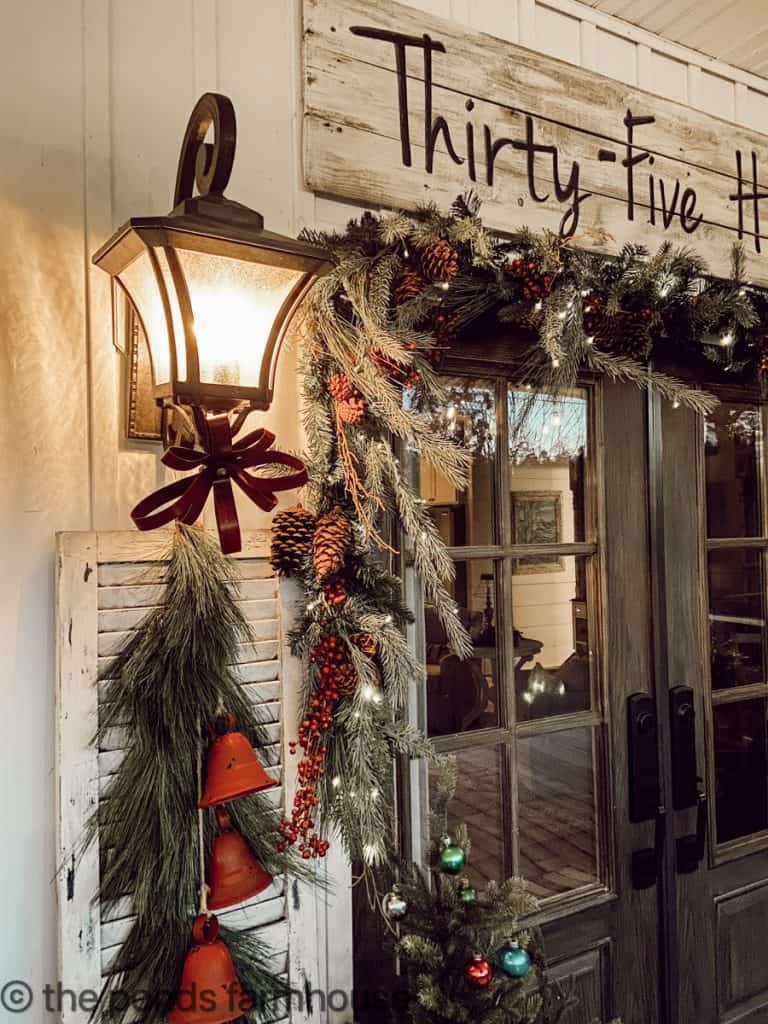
[(401, 107)]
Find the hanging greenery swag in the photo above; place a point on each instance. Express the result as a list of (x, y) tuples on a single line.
[(403, 288)]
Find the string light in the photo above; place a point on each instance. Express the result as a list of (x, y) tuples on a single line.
[(676, 404), (727, 339), (336, 782), (590, 340), (444, 285), (539, 306), (555, 362)]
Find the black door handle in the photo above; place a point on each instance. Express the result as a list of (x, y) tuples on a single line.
[(646, 863), (690, 848), (643, 754), (644, 790), (682, 725)]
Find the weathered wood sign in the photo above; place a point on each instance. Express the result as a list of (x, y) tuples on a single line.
[(401, 107)]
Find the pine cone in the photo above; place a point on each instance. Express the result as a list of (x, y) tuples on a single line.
[(366, 642), (331, 540), (293, 530), (408, 286), (350, 404), (341, 387), (439, 261), (345, 679), (352, 411)]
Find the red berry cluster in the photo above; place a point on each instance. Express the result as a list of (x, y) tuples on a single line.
[(349, 402), (594, 312), (334, 592), (407, 376), (330, 656), (535, 284)]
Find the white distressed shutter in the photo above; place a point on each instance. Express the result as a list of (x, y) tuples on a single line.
[(106, 582)]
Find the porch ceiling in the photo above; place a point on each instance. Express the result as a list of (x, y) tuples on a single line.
[(733, 31)]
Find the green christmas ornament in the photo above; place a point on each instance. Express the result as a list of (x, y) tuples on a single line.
[(452, 857), (467, 892), (513, 960)]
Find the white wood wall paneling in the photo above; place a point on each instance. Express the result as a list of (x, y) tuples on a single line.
[(44, 437)]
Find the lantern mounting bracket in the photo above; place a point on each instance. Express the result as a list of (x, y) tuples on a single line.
[(206, 164)]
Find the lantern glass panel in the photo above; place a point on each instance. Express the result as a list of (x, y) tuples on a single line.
[(143, 289), (234, 307), (176, 320)]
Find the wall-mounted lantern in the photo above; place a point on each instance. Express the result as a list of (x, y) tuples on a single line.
[(214, 292)]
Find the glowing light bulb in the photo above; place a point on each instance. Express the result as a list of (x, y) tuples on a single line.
[(727, 339)]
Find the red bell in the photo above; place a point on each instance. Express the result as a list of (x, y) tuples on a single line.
[(232, 769), (234, 874), (210, 991)]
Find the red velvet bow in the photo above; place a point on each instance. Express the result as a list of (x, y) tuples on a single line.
[(222, 462)]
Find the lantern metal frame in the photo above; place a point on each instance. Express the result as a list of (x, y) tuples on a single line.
[(212, 224)]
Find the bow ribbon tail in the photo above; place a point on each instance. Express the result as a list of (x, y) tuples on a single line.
[(226, 516), (261, 489), (160, 507)]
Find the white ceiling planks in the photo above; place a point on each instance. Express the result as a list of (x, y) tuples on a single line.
[(733, 31)]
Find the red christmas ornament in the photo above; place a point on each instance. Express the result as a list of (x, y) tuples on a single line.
[(478, 973)]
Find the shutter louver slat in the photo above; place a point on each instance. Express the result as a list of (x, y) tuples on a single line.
[(124, 592)]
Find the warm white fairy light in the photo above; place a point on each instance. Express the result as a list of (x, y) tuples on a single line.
[(539, 306), (727, 339), (676, 404), (555, 362), (590, 340), (336, 782)]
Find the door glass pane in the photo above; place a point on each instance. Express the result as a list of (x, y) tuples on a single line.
[(556, 800), (464, 517), (547, 454), (464, 695), (732, 444), (741, 770), (551, 652), (478, 805), (736, 617)]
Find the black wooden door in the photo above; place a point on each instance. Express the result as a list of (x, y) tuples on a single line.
[(711, 530), (553, 576)]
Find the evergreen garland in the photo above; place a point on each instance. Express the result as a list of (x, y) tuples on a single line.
[(403, 287), (170, 681)]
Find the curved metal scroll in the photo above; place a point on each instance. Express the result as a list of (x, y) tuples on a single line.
[(205, 163)]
